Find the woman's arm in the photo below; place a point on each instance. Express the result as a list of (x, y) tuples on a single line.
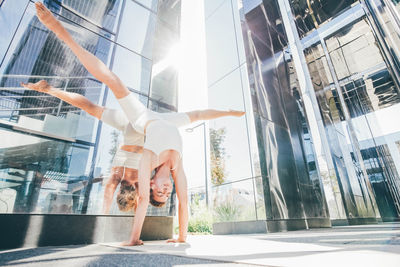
[(209, 114), (181, 190), (143, 199), (109, 191), (74, 99), (94, 65)]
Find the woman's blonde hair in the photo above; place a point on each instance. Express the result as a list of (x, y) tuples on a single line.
[(127, 197)]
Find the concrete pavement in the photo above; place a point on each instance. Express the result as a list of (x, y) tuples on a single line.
[(366, 245)]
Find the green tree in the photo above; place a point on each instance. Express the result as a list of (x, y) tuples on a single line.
[(114, 144), (217, 150)]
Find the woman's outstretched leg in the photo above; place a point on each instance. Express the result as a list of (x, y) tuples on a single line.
[(74, 99), (132, 107), (94, 65), (209, 114)]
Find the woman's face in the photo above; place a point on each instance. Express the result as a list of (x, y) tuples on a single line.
[(162, 189)]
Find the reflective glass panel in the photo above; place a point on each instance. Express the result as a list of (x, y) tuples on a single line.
[(228, 135), (166, 62), (169, 11), (234, 202), (210, 6), (318, 67), (37, 54), (310, 14), (259, 194), (194, 155), (372, 99), (102, 13), (10, 15), (40, 175), (132, 69), (222, 55), (238, 31), (152, 4), (136, 30)]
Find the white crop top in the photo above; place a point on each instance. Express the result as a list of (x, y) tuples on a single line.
[(117, 119)]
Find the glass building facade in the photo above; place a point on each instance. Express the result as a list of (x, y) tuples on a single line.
[(319, 81), (54, 157)]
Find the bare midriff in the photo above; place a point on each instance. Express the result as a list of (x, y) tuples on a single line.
[(132, 148)]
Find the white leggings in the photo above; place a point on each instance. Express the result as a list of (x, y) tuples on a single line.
[(137, 114), (127, 159), (161, 134)]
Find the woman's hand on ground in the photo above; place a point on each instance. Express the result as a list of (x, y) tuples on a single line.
[(132, 243), (41, 86)]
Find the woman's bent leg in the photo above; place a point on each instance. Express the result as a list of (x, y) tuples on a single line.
[(133, 109)]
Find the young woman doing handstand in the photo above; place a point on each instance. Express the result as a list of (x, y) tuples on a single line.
[(163, 145)]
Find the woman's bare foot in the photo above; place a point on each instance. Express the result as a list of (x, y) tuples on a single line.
[(179, 240), (236, 113), (46, 17), (41, 86)]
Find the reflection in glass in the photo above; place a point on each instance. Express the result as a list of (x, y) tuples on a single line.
[(310, 184), (102, 13), (164, 87), (386, 19), (166, 57), (136, 30), (371, 98), (132, 69), (10, 13), (310, 14), (318, 67), (37, 54), (291, 189), (169, 11), (234, 202), (230, 134), (152, 4), (222, 55), (41, 175), (376, 159)]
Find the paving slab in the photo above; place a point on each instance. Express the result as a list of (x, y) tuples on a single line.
[(367, 245), (98, 255)]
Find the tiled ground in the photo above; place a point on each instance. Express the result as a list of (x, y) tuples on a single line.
[(368, 245)]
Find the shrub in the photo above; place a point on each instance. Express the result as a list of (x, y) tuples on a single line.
[(227, 212), (200, 225)]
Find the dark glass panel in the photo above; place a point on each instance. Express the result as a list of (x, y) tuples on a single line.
[(377, 160), (102, 13), (310, 14), (41, 175)]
